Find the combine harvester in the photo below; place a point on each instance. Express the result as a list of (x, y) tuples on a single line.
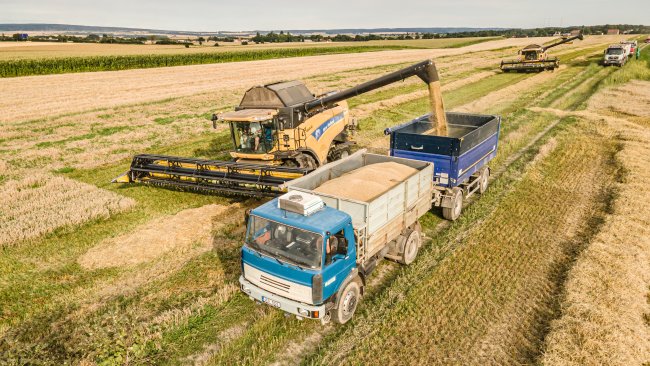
[(533, 58), (280, 132), (310, 251)]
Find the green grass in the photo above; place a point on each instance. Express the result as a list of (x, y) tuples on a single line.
[(107, 131), (15, 68)]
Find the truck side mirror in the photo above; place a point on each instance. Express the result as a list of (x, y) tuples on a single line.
[(247, 216), (214, 120)]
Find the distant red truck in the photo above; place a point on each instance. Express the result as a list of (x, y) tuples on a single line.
[(633, 46)]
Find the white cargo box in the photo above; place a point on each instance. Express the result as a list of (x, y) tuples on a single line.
[(380, 220)]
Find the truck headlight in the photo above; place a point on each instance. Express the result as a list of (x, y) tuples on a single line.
[(303, 312)]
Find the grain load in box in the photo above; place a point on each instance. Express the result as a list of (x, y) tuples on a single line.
[(367, 182)]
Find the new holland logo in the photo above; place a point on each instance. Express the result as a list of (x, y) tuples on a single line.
[(327, 124)]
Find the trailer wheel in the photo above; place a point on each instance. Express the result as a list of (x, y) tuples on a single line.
[(452, 213), (346, 304), (484, 180), (411, 247)]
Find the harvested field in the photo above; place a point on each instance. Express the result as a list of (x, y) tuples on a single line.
[(157, 283), (187, 228), (76, 92), (506, 95), (41, 203), (605, 307), (636, 95), (366, 110)]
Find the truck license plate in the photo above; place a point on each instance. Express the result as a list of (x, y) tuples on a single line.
[(271, 302)]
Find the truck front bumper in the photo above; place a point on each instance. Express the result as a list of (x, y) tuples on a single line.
[(290, 306), (612, 62)]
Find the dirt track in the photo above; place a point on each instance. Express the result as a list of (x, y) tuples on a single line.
[(69, 93)]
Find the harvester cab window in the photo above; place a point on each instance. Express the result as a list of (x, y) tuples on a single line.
[(530, 56), (253, 137)]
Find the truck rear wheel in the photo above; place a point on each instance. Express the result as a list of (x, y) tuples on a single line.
[(411, 247), (346, 304), (484, 180), (452, 213)]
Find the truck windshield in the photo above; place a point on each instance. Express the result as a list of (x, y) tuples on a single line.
[(615, 51), (253, 137), (285, 243)]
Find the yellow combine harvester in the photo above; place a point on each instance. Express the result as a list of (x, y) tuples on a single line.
[(280, 132), (534, 58)]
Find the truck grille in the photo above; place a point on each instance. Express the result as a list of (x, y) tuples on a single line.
[(275, 284)]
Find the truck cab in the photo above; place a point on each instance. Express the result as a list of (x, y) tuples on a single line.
[(297, 260), (616, 54)]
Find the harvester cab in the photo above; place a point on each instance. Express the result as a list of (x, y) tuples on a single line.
[(533, 58), (270, 125)]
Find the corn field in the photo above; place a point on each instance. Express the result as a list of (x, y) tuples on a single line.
[(15, 68)]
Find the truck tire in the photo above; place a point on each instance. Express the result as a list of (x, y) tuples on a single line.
[(411, 246), (484, 180), (452, 213), (347, 303)]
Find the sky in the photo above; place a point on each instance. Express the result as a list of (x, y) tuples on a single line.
[(215, 15)]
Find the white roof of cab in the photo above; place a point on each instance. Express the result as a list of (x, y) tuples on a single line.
[(249, 115)]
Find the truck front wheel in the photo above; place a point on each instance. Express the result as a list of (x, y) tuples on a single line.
[(347, 303)]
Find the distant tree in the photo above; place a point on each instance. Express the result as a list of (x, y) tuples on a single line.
[(244, 43), (201, 40)]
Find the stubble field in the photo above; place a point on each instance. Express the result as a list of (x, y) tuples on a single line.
[(98, 273)]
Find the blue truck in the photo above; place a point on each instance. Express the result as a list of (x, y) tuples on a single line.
[(460, 159), (309, 251)]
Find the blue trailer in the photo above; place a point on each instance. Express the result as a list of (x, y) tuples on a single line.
[(460, 159)]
